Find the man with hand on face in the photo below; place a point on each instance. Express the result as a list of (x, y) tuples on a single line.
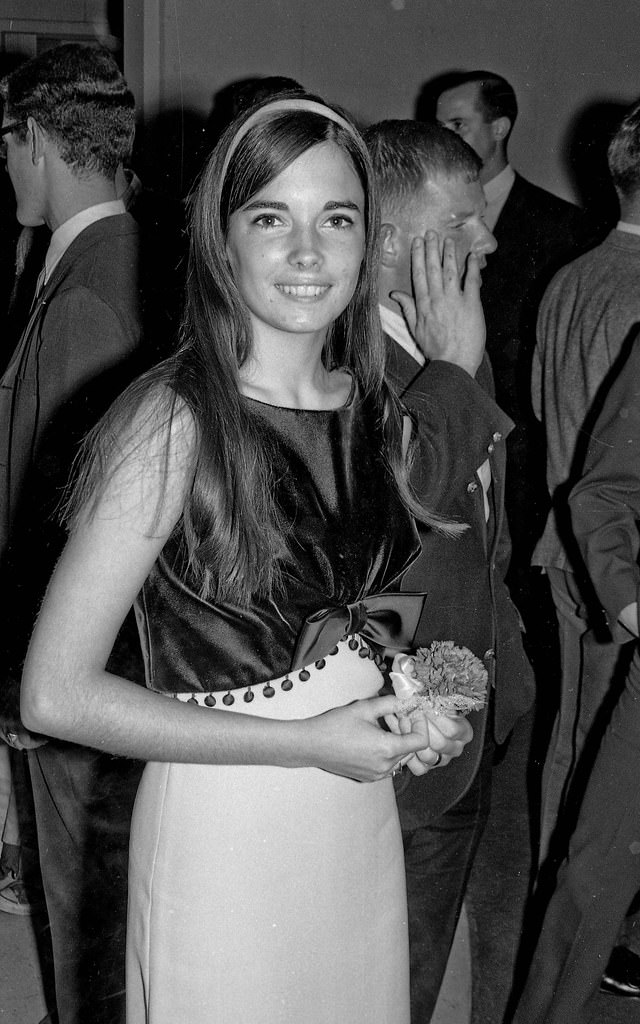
[(434, 244)]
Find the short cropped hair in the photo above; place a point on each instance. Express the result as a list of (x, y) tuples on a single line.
[(78, 96), (623, 154), (406, 155)]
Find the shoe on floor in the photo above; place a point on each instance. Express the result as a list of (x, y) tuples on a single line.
[(14, 899), (622, 974)]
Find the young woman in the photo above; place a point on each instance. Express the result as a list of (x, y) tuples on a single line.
[(250, 496)]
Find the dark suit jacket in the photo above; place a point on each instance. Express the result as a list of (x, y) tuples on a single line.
[(460, 426), (79, 349), (536, 233)]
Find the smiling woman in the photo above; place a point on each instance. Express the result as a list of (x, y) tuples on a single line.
[(251, 496)]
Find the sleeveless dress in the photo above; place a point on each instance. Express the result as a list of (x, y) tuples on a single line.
[(258, 894)]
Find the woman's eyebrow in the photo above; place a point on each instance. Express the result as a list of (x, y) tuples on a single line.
[(257, 204), (342, 204), (273, 204)]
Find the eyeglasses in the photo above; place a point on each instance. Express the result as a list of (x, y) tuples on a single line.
[(7, 130)]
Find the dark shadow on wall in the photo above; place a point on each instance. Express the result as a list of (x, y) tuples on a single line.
[(170, 150), (229, 101), (585, 157), (427, 98)]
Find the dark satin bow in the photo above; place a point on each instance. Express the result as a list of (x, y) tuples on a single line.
[(388, 620)]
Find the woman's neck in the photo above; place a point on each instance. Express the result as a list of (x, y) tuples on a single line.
[(294, 381)]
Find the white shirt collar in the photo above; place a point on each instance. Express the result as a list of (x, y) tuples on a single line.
[(625, 225), (496, 193), (501, 183), (63, 236), (393, 324)]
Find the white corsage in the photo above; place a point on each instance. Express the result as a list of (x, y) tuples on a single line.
[(447, 679)]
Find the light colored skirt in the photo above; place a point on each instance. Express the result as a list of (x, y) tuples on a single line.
[(264, 895)]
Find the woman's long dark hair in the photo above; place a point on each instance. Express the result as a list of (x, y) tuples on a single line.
[(234, 537)]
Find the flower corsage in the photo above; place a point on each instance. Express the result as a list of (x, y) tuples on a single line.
[(444, 678)]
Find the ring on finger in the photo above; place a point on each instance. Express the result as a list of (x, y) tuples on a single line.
[(397, 768), (434, 764)]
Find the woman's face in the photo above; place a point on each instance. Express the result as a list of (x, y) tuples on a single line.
[(296, 247)]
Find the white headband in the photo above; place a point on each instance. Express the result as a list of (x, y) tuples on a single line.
[(275, 107)]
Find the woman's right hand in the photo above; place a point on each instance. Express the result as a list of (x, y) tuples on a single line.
[(350, 740), (448, 736)]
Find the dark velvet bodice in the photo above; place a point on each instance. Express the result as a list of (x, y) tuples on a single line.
[(351, 537)]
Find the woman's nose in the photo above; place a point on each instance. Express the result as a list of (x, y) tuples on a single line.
[(306, 248)]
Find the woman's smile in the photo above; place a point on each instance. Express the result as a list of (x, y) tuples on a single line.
[(304, 291)]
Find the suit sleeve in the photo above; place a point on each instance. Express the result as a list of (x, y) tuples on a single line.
[(82, 339), (87, 356), (605, 504), (458, 423)]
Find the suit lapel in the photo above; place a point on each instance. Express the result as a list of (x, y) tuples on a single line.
[(401, 368), (513, 210)]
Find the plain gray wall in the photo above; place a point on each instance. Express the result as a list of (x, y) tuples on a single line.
[(562, 56), (373, 56)]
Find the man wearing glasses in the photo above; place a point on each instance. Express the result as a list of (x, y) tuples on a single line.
[(68, 124)]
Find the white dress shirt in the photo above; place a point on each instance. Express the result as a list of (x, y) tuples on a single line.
[(496, 193)]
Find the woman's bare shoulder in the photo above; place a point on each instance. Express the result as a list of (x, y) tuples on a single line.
[(147, 461)]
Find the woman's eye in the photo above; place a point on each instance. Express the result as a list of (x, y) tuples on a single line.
[(267, 220), (340, 220)]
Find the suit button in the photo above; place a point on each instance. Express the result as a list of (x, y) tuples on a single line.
[(472, 487), (489, 654), (497, 436)]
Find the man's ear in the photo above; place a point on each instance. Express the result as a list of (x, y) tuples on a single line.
[(501, 128), (37, 140), (389, 248)]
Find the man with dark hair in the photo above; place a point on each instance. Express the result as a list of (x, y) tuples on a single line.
[(429, 187), (77, 95), (481, 108), (536, 232), (68, 125), (589, 318)]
